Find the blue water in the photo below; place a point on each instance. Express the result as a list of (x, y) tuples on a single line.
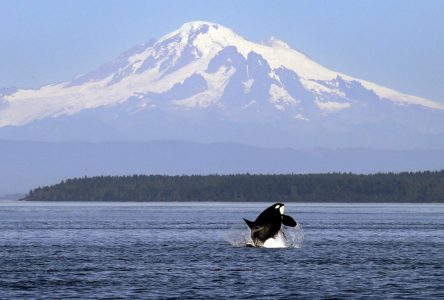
[(154, 250)]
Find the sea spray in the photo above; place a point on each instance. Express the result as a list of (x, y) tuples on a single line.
[(288, 237), (238, 236)]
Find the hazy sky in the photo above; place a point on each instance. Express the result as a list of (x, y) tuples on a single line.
[(396, 43)]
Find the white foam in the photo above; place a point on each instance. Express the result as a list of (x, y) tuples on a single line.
[(288, 237), (278, 241)]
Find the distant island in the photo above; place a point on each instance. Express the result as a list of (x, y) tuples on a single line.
[(419, 187)]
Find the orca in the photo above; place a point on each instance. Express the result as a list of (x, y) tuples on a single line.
[(268, 224)]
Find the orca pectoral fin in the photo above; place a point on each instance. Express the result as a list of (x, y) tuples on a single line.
[(288, 221), (249, 223)]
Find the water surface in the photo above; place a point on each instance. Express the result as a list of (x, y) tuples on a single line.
[(180, 250)]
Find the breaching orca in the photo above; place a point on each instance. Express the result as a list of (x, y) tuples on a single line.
[(268, 224)]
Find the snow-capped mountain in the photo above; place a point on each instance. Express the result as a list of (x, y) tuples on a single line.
[(205, 82)]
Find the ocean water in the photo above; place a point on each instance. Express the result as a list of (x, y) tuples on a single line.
[(192, 251)]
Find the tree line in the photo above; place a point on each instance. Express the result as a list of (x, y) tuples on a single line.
[(332, 187)]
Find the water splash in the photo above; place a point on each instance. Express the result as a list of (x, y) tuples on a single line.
[(295, 236), (238, 236), (288, 237)]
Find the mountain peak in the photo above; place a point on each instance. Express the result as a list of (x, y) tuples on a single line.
[(193, 25), (212, 31)]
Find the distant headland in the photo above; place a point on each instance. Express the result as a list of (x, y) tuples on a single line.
[(417, 187)]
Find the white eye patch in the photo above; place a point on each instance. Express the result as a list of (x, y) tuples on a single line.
[(276, 207)]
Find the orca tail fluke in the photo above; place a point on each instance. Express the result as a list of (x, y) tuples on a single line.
[(249, 223)]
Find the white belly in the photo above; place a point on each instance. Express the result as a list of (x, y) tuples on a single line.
[(279, 241)]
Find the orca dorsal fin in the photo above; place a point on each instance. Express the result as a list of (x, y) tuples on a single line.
[(288, 221), (250, 224)]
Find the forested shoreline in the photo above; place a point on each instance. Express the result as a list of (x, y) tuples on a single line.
[(420, 187)]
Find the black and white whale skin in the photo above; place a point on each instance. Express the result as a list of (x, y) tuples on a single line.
[(269, 223)]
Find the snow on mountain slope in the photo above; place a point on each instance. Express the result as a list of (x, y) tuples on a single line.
[(203, 65)]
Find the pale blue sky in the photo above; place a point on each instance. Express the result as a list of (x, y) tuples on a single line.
[(396, 43)]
